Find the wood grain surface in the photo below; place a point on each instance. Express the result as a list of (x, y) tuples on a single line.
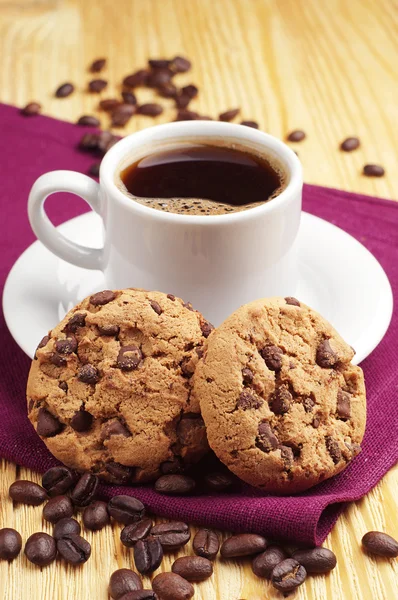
[(328, 67)]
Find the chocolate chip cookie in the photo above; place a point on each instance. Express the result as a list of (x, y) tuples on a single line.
[(284, 407), (109, 390)]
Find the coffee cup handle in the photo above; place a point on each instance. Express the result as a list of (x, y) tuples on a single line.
[(64, 181)]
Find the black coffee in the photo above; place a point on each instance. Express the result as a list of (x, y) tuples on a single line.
[(202, 180)]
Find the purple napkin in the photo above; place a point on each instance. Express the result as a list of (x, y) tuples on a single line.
[(34, 145)]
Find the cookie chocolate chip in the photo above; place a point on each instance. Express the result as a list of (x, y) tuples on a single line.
[(129, 358)]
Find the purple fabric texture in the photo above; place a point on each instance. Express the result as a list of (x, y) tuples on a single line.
[(35, 145)]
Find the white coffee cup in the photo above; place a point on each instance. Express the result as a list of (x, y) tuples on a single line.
[(216, 262)]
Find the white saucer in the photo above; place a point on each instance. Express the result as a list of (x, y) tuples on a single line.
[(338, 277)]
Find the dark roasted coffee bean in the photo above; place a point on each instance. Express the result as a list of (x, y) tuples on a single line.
[(66, 527), (126, 509), (150, 109), (325, 355), (373, 170), (228, 115), (122, 114), (159, 77), (288, 575), (97, 85), (88, 374), (206, 543), (67, 345), (85, 490), (122, 582), (47, 424), (134, 532), (252, 124), (137, 79), (148, 554), (316, 560), (190, 90), (264, 563), (193, 568), (129, 98), (101, 298), (204, 118), (296, 136), (106, 140), (97, 65), (167, 90), (350, 144), (175, 465), (81, 420), (109, 104), (272, 356), (27, 492), (31, 109), (74, 549), (187, 115), (64, 90), (96, 516), (182, 100), (170, 586), (175, 485), (219, 482), (89, 143), (58, 480), (172, 534), (140, 595), (266, 439), (377, 542), (40, 549), (243, 544), (57, 508), (10, 543), (179, 64), (88, 121), (118, 473), (158, 63)]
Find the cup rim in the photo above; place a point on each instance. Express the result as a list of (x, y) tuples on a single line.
[(188, 129)]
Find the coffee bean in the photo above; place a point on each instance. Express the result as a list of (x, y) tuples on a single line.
[(10, 543), (296, 136), (167, 90), (31, 109), (281, 400), (81, 421), (85, 490), (175, 465), (175, 485), (47, 424), (204, 118), (187, 115), (264, 563), (122, 582), (159, 63), (137, 79), (134, 532), (57, 508), (350, 144), (266, 439), (228, 115), (89, 143), (377, 542), (97, 85), (122, 114), (159, 77), (193, 568), (109, 104), (88, 121), (272, 356), (243, 544), (64, 90), (97, 65), (219, 481), (65, 528), (170, 586), (140, 595), (316, 560), (40, 549), (373, 170), (126, 509), (129, 98), (248, 400), (108, 329), (118, 473), (67, 345), (190, 90), (96, 516), (325, 355), (88, 374), (252, 124), (182, 101), (288, 575), (106, 140), (27, 492), (74, 549), (206, 543), (150, 109), (343, 405), (179, 64), (58, 480), (129, 358), (172, 534), (148, 554)]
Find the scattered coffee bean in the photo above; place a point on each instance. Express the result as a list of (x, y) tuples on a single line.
[(190, 90), (228, 115), (170, 586), (89, 142), (193, 568), (175, 485), (47, 424), (159, 77), (167, 90), (109, 104), (97, 85), (158, 63), (64, 90), (148, 554), (206, 543), (134, 532), (96, 516), (288, 575), (122, 582), (243, 544), (172, 534), (126, 509), (74, 549), (129, 98), (85, 490), (65, 528), (219, 482), (58, 480), (31, 109), (57, 508), (106, 140), (187, 115), (97, 65), (182, 100), (88, 121), (296, 136), (122, 114), (40, 549), (382, 544), (252, 124), (140, 595), (373, 170), (10, 543), (179, 64), (27, 492), (137, 79), (350, 144), (150, 109), (264, 563), (316, 560)]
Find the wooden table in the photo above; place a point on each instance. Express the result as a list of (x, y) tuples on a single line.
[(326, 67)]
